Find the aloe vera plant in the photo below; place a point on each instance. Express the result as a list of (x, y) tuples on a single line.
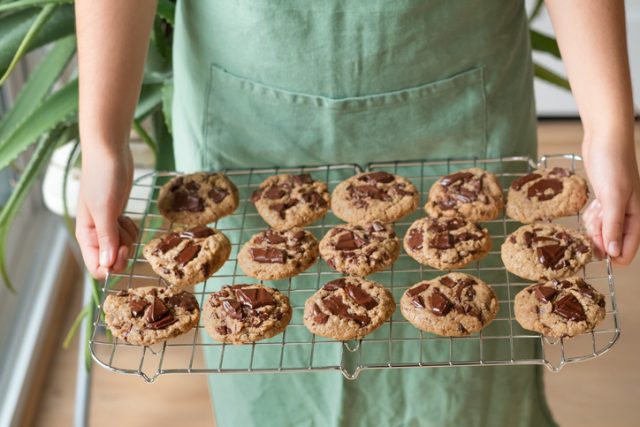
[(44, 114)]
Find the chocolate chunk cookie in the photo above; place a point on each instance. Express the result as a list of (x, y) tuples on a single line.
[(145, 316), (360, 250), (473, 194), (374, 196), (241, 314), (198, 198), (546, 194), (348, 308), (185, 257), (545, 251), (560, 308), (287, 201), (452, 305), (446, 243), (273, 254)]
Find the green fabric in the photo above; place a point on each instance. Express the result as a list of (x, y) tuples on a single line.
[(290, 82)]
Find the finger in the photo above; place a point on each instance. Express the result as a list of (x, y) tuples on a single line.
[(592, 219), (121, 260), (129, 225), (613, 216), (631, 237), (88, 241), (107, 230), (126, 240)]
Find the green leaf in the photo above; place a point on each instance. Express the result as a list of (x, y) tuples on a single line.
[(165, 159), (549, 76), (537, 8), (21, 4), (23, 48), (149, 101), (167, 11), (74, 326), (57, 108), (36, 164), (73, 158), (39, 84), (14, 26), (544, 43), (167, 102), (146, 138)]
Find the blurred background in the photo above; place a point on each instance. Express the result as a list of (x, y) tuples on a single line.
[(47, 302)]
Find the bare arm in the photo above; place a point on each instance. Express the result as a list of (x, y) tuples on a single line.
[(113, 36), (592, 40)]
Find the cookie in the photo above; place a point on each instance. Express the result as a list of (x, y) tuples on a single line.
[(273, 254), (185, 257), (545, 251), (374, 196), (198, 198), (546, 194), (287, 201), (473, 194), (359, 250), (446, 243), (145, 316), (452, 305), (560, 308), (348, 308), (239, 314)]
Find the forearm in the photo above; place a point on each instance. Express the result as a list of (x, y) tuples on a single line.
[(113, 37), (592, 40)]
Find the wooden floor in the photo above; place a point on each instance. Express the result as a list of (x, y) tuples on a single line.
[(595, 393)]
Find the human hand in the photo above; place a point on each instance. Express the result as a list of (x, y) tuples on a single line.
[(105, 236), (613, 218)]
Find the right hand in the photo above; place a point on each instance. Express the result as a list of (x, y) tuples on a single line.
[(105, 236)]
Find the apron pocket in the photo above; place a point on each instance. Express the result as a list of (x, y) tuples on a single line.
[(248, 123)]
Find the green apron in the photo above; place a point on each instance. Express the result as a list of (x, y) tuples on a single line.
[(290, 82)]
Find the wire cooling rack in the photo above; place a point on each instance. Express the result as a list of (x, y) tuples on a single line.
[(396, 344)]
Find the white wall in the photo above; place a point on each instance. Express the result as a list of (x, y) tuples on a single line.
[(552, 101)]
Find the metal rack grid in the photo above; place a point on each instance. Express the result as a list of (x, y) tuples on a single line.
[(396, 344)]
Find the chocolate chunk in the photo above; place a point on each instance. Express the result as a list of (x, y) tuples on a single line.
[(561, 172), (184, 300), (360, 296), (281, 208), (137, 305), (274, 192), (465, 287), (369, 191), (155, 311), (465, 195), (582, 248), (455, 177), (465, 236), (545, 293), (217, 194), (440, 304), (169, 319), (192, 186), (255, 196), (528, 238), (375, 177), (587, 290), (570, 308), (187, 254), (335, 306), (417, 301), (197, 232), (268, 255), (273, 237), (334, 285), (222, 330), (187, 202), (550, 255), (298, 235), (314, 199), (176, 184), (348, 242), (318, 316), (520, 182), (233, 308), (447, 281), (512, 238), (447, 203), (538, 239), (122, 293), (304, 178), (418, 289), (376, 226), (255, 297), (442, 241), (545, 189), (332, 263), (400, 190), (171, 241), (416, 239)]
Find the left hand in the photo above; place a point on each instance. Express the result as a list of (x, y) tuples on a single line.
[(613, 219)]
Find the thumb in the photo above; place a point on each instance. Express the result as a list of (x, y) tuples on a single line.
[(613, 216), (108, 239)]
